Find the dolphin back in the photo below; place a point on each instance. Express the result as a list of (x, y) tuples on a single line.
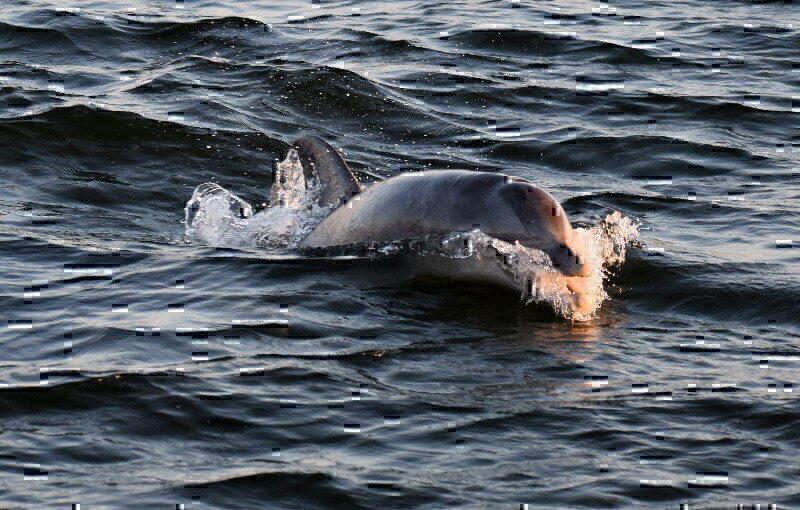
[(323, 163)]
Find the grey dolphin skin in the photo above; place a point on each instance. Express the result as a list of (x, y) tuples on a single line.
[(439, 202)]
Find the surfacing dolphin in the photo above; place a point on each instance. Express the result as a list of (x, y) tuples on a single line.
[(437, 202)]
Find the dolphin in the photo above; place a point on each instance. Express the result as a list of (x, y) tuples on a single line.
[(418, 204), (325, 165)]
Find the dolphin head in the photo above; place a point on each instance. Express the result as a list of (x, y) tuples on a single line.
[(545, 226), (571, 257)]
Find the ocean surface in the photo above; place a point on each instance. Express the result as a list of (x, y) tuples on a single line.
[(140, 368)]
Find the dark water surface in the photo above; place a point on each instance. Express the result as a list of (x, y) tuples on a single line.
[(144, 372)]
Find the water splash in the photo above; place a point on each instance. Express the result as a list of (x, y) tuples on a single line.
[(527, 270), (216, 217)]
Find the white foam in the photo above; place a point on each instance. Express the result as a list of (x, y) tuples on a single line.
[(217, 217)]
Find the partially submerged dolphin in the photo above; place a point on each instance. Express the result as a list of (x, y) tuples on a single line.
[(437, 202)]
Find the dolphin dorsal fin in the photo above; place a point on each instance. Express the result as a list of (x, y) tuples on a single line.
[(325, 164)]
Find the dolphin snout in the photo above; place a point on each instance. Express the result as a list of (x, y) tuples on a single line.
[(584, 268), (570, 262)]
